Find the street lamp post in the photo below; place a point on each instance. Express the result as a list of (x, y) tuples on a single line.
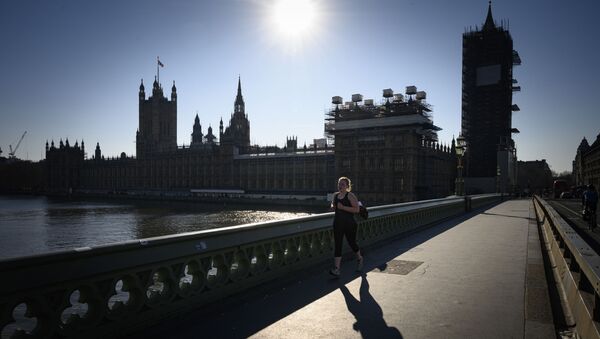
[(461, 147)]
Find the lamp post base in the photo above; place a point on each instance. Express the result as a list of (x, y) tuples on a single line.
[(459, 186)]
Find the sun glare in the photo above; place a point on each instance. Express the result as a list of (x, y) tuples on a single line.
[(294, 19)]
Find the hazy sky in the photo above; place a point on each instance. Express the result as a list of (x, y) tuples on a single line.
[(71, 68)]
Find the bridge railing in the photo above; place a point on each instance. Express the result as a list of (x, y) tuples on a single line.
[(577, 268), (119, 288)]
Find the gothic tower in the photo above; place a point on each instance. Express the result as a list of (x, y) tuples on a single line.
[(487, 85), (97, 152), (197, 132), (157, 131), (238, 132), (239, 106)]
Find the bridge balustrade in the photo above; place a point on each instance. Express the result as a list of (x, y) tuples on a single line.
[(116, 289), (577, 270)]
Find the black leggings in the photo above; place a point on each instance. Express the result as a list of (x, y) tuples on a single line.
[(339, 230)]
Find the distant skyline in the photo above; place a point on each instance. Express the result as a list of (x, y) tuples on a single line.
[(72, 69)]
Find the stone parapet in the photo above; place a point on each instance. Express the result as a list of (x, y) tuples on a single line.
[(116, 289)]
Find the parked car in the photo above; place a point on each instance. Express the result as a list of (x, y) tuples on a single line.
[(566, 195)]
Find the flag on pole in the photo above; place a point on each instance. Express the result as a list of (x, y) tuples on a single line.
[(160, 63)]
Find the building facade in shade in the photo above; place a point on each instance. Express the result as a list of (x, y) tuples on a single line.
[(583, 147), (390, 151), (157, 130), (63, 166), (212, 161), (487, 89), (586, 166), (534, 177)]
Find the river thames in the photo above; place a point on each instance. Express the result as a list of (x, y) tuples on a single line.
[(34, 225)]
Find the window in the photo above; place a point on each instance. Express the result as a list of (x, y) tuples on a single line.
[(399, 164), (345, 163)]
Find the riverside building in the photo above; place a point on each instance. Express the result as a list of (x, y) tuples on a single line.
[(389, 150), (586, 166)]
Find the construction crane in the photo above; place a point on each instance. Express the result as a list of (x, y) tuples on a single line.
[(12, 152)]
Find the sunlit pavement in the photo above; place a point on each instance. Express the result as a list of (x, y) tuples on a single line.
[(480, 276)]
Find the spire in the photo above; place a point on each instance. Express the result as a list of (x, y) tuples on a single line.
[(238, 106), (98, 152), (489, 20), (142, 93), (197, 131), (173, 92)]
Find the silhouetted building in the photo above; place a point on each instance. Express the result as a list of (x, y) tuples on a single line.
[(583, 147), (238, 132), (157, 131), (487, 88), (390, 151), (64, 166), (21, 176), (586, 166), (534, 177)]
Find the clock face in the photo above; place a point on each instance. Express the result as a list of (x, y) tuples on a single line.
[(488, 75)]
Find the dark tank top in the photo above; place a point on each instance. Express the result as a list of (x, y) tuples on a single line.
[(343, 217)]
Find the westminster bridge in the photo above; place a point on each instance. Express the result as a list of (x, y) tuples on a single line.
[(478, 266)]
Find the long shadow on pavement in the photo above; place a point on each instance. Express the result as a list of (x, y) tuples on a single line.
[(368, 313), (509, 216)]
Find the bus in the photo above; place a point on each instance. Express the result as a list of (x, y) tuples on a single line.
[(558, 187)]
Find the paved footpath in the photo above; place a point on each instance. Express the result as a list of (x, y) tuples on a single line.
[(478, 276)]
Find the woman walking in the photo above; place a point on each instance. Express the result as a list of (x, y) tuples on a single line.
[(345, 206)]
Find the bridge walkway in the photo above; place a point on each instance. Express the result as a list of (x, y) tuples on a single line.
[(478, 276)]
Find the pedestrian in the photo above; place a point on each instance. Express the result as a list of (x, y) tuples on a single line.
[(589, 202), (345, 205), (589, 199)]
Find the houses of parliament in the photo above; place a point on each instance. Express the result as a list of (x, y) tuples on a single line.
[(389, 150)]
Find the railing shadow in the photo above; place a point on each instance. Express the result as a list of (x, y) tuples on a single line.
[(246, 314), (509, 216)]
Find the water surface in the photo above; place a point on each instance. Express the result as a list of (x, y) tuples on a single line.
[(34, 225)]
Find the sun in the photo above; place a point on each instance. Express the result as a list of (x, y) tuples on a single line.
[(294, 20)]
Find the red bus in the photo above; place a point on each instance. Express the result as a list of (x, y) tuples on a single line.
[(558, 187)]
